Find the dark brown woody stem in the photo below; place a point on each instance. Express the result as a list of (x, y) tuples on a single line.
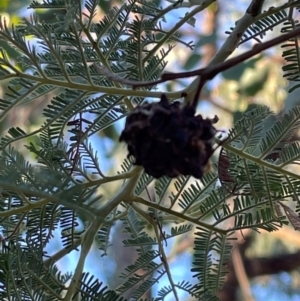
[(210, 72)]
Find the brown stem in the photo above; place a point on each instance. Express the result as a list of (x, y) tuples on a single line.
[(255, 7), (210, 72)]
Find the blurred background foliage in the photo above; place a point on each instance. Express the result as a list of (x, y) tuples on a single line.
[(258, 81)]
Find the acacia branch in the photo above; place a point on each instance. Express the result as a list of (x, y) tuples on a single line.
[(209, 73), (126, 193)]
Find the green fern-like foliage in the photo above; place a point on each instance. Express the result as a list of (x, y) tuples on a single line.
[(58, 181), (263, 24)]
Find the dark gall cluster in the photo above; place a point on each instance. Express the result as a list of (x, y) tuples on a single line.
[(169, 140)]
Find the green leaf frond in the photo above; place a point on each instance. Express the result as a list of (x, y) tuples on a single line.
[(23, 269), (191, 196), (40, 231), (147, 8), (20, 92), (68, 224), (12, 135), (91, 289), (210, 268), (259, 29), (135, 228), (66, 60), (179, 185), (145, 262), (143, 182), (257, 175), (147, 257), (281, 133), (15, 168), (247, 131), (180, 230), (103, 239), (183, 285), (145, 285), (291, 54), (127, 165), (79, 67), (290, 155), (47, 4)]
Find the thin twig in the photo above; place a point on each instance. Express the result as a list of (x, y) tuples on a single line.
[(126, 194), (160, 240), (210, 72)]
